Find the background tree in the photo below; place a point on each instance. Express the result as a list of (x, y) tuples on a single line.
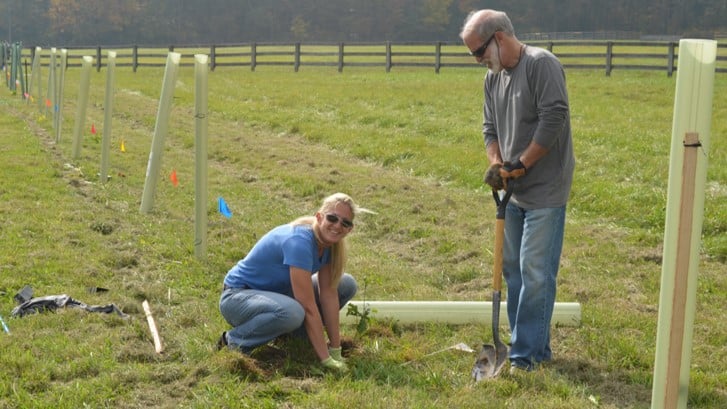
[(165, 22)]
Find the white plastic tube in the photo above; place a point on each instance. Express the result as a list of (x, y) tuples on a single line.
[(108, 115), (683, 225), (453, 312), (160, 132), (200, 176)]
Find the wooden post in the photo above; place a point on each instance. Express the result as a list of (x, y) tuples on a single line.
[(135, 57), (253, 56), (152, 328), (670, 59), (609, 58), (213, 57), (388, 56), (297, 56), (340, 57)]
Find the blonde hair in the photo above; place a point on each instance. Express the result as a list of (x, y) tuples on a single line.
[(339, 250)]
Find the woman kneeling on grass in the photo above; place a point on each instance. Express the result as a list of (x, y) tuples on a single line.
[(293, 279)]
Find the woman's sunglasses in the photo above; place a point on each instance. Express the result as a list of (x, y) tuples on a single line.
[(334, 218)]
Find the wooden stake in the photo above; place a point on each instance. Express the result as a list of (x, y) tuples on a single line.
[(152, 327)]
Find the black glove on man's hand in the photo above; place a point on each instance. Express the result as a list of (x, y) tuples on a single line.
[(513, 170), (493, 177)]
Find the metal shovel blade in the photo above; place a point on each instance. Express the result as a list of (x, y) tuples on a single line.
[(485, 363), (492, 358)]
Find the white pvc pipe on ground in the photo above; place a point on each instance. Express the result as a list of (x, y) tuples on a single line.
[(452, 312)]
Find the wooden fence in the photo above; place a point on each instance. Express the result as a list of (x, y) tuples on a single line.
[(596, 55)]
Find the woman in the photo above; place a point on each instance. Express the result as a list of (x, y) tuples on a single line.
[(292, 278)]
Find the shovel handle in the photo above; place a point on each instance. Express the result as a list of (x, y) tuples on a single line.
[(499, 235), (497, 267)]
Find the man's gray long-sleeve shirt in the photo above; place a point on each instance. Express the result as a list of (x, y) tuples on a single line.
[(530, 103)]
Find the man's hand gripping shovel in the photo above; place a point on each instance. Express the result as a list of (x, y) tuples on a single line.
[(492, 358)]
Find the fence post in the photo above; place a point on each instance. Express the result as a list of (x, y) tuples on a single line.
[(550, 46), (253, 56), (98, 59), (437, 56), (340, 57), (297, 56), (609, 57), (135, 57), (670, 59), (388, 56), (213, 57)]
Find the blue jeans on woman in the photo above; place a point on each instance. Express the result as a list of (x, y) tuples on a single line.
[(531, 257), (258, 317)]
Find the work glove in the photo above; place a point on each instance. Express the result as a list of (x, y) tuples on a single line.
[(330, 363), (335, 353), (494, 178), (513, 170)]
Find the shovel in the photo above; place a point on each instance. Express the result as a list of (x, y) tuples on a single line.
[(492, 358)]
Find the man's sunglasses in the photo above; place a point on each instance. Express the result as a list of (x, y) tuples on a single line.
[(334, 218), (478, 53)]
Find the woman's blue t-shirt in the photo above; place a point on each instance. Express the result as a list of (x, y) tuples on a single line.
[(267, 265)]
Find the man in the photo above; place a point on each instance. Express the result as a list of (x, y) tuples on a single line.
[(528, 136)]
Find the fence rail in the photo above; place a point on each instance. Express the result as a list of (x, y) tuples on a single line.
[(596, 55)]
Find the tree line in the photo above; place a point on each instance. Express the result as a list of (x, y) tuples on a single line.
[(158, 22)]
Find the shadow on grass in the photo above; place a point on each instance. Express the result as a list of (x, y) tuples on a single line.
[(609, 387), (286, 356), (627, 389)]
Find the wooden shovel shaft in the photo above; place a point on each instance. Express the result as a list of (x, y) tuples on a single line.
[(497, 267)]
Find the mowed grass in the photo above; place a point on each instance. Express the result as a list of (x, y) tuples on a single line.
[(405, 144)]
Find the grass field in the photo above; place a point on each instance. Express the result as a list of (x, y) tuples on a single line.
[(405, 144)]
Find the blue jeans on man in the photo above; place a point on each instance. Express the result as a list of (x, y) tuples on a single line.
[(531, 256)]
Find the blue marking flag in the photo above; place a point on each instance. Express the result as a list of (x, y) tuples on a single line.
[(223, 207), (5, 327)]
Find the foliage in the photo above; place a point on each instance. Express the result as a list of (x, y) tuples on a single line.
[(160, 22), (406, 145)]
